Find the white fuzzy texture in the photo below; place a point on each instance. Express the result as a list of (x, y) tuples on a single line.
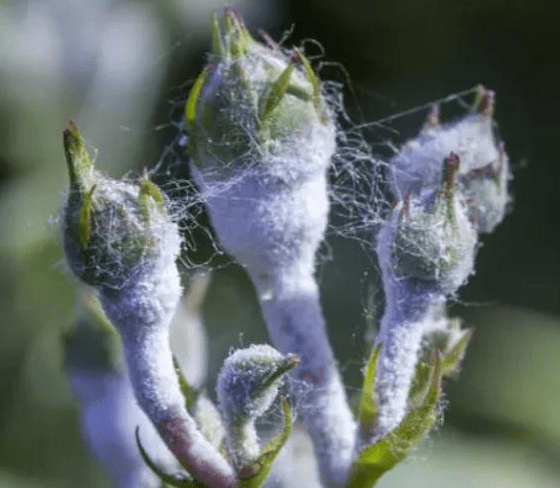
[(272, 218), (296, 324), (418, 167), (243, 399), (419, 164), (273, 215), (209, 421), (142, 312), (445, 252), (426, 245)]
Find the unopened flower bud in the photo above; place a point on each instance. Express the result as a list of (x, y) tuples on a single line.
[(247, 385), (484, 171), (434, 243), (249, 379), (254, 103), (110, 228)]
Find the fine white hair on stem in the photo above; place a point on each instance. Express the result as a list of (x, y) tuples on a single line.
[(142, 312)]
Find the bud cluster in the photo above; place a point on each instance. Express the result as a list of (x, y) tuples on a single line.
[(261, 135)]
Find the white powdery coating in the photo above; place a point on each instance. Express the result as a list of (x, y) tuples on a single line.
[(239, 383), (419, 164), (142, 312), (445, 250), (273, 214), (401, 341), (491, 197), (209, 421), (296, 324), (242, 398), (109, 416)]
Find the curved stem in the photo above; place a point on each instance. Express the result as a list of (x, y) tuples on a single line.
[(291, 307), (141, 312), (407, 314)]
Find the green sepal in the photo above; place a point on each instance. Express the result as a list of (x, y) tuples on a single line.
[(149, 192), (367, 410), (289, 362), (376, 459), (254, 475), (180, 480), (236, 35), (315, 83), (84, 218), (420, 384), (276, 92), (77, 158), (190, 106), (188, 392), (218, 47)]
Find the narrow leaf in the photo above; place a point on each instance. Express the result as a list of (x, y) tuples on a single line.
[(367, 412), (378, 458), (180, 480), (254, 475), (187, 390)]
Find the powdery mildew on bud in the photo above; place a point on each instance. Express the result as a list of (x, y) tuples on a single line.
[(261, 141), (142, 305), (484, 170), (426, 252), (247, 385)]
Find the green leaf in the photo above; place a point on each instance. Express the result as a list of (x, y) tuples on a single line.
[(378, 458), (180, 480), (367, 412), (189, 394), (254, 475)]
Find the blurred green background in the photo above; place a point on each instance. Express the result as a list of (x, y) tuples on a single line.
[(122, 67)]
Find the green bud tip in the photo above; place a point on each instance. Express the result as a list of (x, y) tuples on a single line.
[(236, 36), (315, 84), (450, 168), (483, 101), (77, 157), (149, 192), (276, 92), (190, 107), (287, 363)]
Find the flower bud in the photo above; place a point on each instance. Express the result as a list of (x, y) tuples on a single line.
[(247, 385), (433, 243), (254, 104), (249, 379), (110, 228), (484, 171)]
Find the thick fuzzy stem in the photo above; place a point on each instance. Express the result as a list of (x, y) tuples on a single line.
[(142, 311), (407, 315), (296, 325), (243, 443)]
